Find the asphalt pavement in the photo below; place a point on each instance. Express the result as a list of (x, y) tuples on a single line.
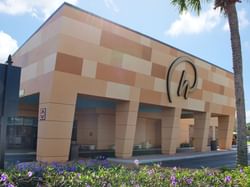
[(218, 161)]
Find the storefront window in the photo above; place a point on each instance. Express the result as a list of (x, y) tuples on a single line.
[(22, 133)]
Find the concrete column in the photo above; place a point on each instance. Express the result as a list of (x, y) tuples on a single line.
[(225, 131), (126, 118), (170, 126), (201, 130), (213, 133), (55, 122)]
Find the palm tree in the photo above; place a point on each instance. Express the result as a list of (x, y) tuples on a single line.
[(229, 9)]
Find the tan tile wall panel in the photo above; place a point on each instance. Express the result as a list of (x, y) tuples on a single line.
[(59, 112), (105, 131), (54, 129), (136, 64), (116, 29), (149, 96), (140, 133), (92, 87), (82, 17), (184, 131), (41, 51), (63, 91), (153, 132), (143, 81), (113, 41), (89, 68), (118, 91), (38, 39), (134, 94), (107, 26), (36, 85), (116, 59), (36, 69), (80, 30), (75, 47), (161, 58), (86, 129), (53, 148)]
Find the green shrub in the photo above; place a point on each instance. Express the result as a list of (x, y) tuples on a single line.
[(101, 173)]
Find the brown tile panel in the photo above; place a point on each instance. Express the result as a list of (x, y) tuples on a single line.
[(160, 47), (207, 107), (158, 71), (213, 69), (173, 52), (68, 64), (149, 96), (229, 92), (197, 94), (115, 74), (230, 75), (202, 72), (228, 110), (213, 87), (121, 44)]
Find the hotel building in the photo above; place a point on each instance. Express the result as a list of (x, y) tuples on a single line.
[(104, 87)]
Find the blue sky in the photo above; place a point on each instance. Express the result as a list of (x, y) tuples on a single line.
[(205, 36)]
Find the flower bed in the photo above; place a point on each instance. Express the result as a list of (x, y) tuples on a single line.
[(101, 173)]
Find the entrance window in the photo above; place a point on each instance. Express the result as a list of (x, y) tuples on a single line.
[(22, 132)]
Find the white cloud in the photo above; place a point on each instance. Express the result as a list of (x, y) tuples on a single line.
[(190, 24), (243, 21), (37, 8), (111, 4), (248, 116), (8, 45)]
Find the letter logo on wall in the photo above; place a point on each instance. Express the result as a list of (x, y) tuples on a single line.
[(184, 86)]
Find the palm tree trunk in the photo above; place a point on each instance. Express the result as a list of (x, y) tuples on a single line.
[(238, 83)]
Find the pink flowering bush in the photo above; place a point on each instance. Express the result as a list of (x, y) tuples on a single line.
[(95, 173)]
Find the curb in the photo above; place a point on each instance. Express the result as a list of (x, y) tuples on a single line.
[(173, 158), (22, 154)]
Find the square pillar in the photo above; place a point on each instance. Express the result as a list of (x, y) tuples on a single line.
[(125, 126), (201, 130), (213, 132), (55, 123), (170, 126), (225, 131)]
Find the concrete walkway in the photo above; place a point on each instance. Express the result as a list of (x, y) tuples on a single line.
[(14, 152), (160, 158)]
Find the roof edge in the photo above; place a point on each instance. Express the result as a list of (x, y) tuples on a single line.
[(44, 23), (137, 32)]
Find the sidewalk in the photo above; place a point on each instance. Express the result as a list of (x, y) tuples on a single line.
[(15, 152), (179, 156)]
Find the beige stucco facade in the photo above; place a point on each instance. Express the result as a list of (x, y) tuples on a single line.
[(76, 55)]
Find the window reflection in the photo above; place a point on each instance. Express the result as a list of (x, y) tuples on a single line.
[(22, 133)]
